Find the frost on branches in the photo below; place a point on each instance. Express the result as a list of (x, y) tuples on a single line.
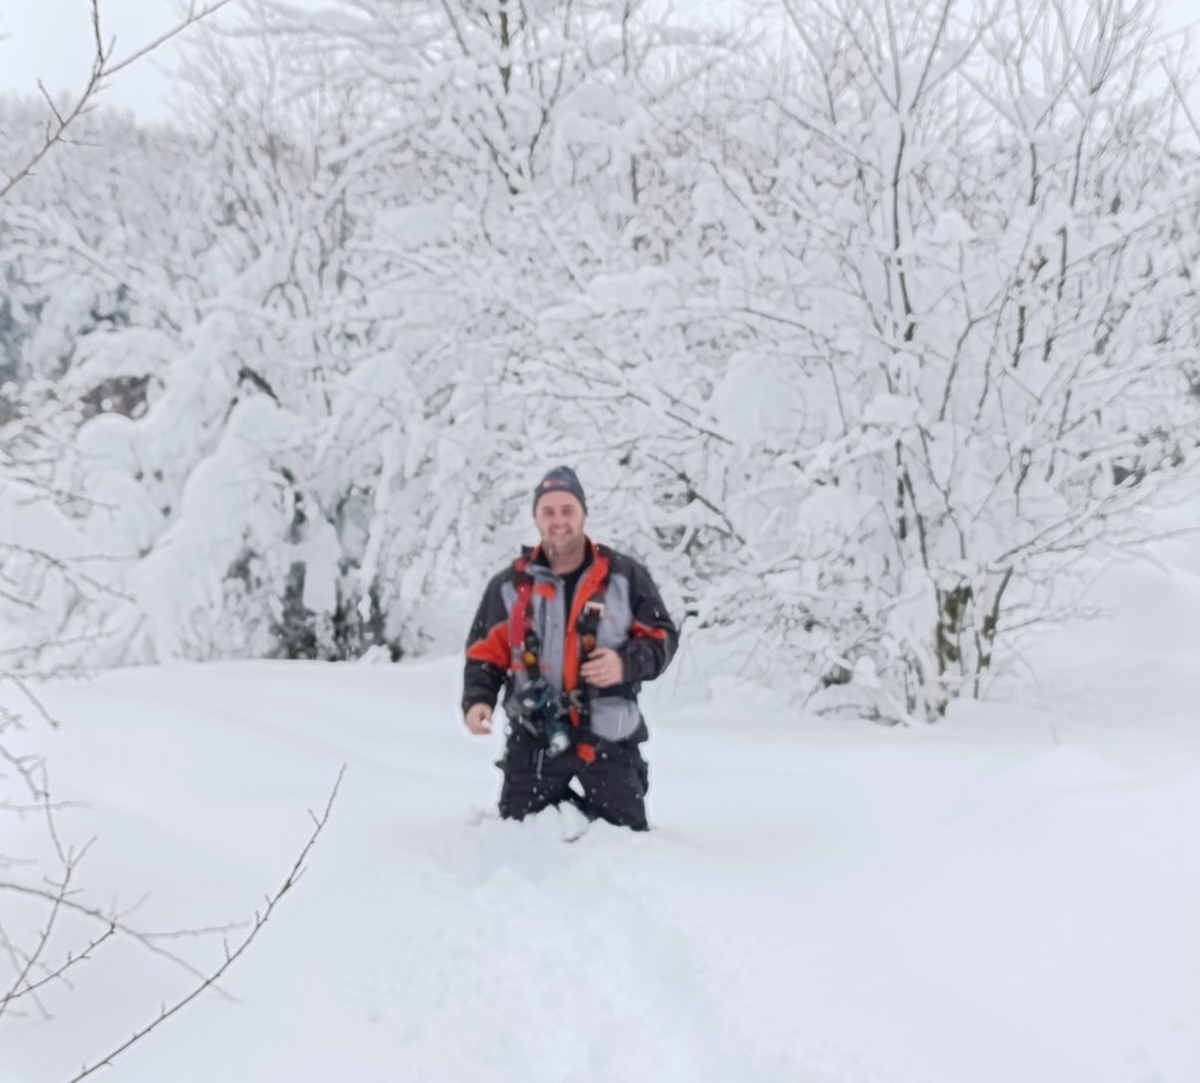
[(977, 322)]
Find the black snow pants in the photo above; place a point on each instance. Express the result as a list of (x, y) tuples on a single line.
[(614, 784)]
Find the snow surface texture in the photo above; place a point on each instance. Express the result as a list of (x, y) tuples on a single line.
[(1008, 897)]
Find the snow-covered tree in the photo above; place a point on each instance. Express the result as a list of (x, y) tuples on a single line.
[(505, 258), (972, 312), (59, 596)]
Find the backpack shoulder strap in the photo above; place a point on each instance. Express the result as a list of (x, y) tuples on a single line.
[(521, 636)]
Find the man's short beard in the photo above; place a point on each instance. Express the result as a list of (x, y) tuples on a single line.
[(562, 549)]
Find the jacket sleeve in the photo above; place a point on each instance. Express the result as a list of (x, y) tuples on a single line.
[(488, 654), (653, 636)]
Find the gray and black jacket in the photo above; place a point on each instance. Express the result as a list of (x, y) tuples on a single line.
[(528, 595)]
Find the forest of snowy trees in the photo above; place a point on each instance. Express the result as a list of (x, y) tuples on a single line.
[(860, 321)]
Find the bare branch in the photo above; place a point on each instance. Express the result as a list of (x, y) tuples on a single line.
[(1181, 96), (102, 68), (231, 955)]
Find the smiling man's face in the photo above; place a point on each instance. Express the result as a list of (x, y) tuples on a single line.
[(560, 518)]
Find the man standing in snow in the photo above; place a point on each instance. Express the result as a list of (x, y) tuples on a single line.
[(569, 631)]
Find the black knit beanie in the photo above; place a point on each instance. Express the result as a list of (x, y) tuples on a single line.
[(562, 479)]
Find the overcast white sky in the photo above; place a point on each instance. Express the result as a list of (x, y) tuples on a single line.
[(51, 40)]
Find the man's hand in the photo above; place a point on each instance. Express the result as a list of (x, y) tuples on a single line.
[(479, 719), (603, 669)]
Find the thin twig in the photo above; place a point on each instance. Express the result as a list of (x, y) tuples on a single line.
[(231, 957), (101, 70)]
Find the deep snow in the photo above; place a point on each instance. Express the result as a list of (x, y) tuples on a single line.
[(1007, 897)]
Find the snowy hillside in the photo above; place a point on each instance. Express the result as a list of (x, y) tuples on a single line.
[(1008, 897)]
